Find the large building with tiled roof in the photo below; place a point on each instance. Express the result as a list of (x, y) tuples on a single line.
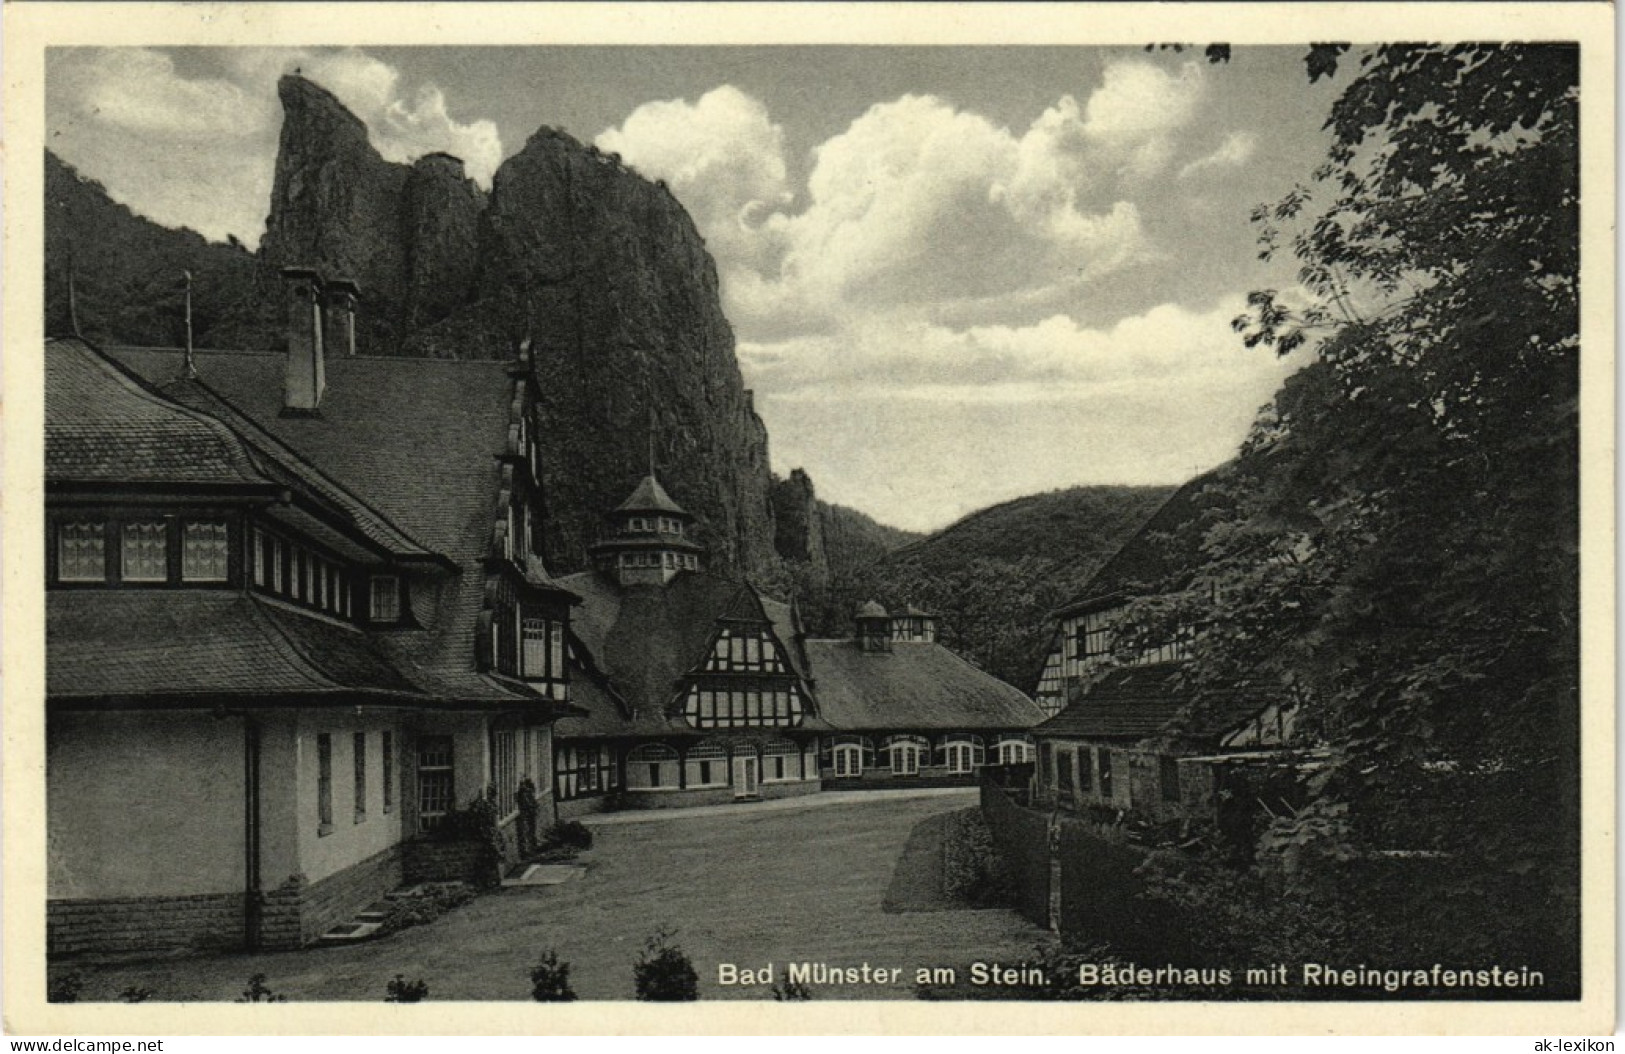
[(1130, 736), (296, 619), (902, 707)]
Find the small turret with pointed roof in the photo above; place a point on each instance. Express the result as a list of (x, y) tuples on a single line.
[(648, 542), (874, 627)]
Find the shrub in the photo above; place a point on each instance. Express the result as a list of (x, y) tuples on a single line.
[(664, 973), (429, 902), (572, 834), (972, 869), (550, 980), (791, 992), (400, 990), (136, 993), (65, 988), (259, 992)]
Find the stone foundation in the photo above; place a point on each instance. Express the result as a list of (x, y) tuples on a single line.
[(157, 924), (298, 912)]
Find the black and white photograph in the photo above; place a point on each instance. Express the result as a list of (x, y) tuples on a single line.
[(571, 519)]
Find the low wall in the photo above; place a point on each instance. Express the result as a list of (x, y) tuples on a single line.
[(683, 799), (208, 921), (430, 861), (298, 912)]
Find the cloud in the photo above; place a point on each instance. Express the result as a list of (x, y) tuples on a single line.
[(1236, 150), (165, 140), (882, 415)]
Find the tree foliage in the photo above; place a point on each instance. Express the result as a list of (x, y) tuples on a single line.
[(1397, 548)]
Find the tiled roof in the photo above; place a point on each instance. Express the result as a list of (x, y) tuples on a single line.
[(216, 645), (650, 496), (1136, 702), (915, 685), (645, 638), (1148, 555), (103, 426), (415, 439)]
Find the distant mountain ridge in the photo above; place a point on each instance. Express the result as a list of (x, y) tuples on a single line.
[(993, 577)]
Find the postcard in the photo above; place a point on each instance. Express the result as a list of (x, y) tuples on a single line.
[(1061, 518)]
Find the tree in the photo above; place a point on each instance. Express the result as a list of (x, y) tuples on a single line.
[(1397, 548)]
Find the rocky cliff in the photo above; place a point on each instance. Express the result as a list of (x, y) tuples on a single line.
[(601, 271)]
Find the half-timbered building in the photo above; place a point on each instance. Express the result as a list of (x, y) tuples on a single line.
[(1127, 735), (695, 684)]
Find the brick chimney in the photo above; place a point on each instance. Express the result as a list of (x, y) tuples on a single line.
[(305, 378), (340, 296)]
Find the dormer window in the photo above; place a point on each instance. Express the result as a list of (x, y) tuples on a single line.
[(81, 553), (203, 552), (145, 552), (384, 598)]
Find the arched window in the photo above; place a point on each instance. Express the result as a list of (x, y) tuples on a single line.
[(652, 766), (906, 754), (848, 760), (707, 765), (962, 753), (1015, 751), (780, 761)]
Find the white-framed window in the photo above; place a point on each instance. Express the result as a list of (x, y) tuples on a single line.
[(145, 552), (505, 771), (652, 766), (707, 765), (960, 757), (436, 789), (1015, 752), (781, 761), (905, 752), (847, 760), (203, 552), (81, 552), (543, 651), (384, 598)]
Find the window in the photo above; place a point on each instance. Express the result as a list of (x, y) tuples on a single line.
[(435, 787), (1086, 771), (387, 762), (779, 760), (81, 553), (360, 749), (203, 552), (543, 654), (651, 767), (1168, 777), (384, 600), (146, 552), (960, 757), (848, 759), (505, 771), (324, 783), (707, 765), (1014, 752), (1063, 773), (1105, 773)]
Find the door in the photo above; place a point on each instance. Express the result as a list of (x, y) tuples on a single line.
[(745, 777)]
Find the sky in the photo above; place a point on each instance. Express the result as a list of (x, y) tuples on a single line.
[(955, 275)]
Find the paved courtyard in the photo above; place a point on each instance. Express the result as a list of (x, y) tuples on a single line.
[(775, 885)]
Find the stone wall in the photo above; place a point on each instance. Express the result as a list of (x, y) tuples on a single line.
[(127, 924), (298, 912)]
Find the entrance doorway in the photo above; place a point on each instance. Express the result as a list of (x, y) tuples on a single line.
[(745, 777)]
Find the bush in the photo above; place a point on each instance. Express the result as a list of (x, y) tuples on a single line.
[(427, 903), (550, 980), (791, 992), (259, 992), (136, 993), (571, 834), (972, 869), (65, 988), (401, 990), (664, 973)]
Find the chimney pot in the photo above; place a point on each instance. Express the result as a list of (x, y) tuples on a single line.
[(305, 372), (341, 295)]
